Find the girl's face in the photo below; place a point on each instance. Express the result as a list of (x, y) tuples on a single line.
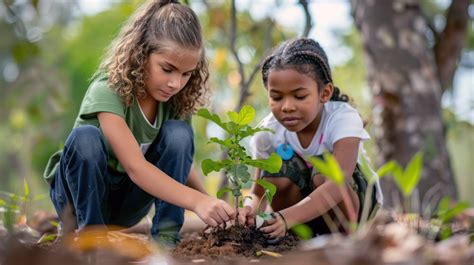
[(169, 71), (295, 100)]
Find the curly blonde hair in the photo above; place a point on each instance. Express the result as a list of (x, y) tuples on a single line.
[(155, 26)]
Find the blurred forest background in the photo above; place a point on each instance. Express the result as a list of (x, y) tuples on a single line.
[(49, 49)]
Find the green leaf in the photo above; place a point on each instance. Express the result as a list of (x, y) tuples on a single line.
[(220, 193), (410, 178), (54, 223), (244, 117), (451, 213), (388, 168), (270, 189), (239, 172), (251, 131), (303, 231), (320, 165), (329, 168), (209, 165), (48, 238), (227, 142), (272, 164), (445, 232), (233, 116), (443, 205), (337, 174), (232, 127), (204, 113)]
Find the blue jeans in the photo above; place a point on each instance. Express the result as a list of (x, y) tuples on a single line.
[(101, 195)]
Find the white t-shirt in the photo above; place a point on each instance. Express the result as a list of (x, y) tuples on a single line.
[(339, 120)]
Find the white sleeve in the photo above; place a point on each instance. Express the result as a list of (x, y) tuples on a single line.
[(346, 123), (261, 145)]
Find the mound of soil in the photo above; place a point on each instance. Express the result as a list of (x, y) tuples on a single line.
[(236, 241)]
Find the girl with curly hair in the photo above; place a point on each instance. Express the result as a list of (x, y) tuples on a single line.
[(132, 143)]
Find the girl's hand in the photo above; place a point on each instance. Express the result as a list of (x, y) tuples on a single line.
[(247, 216), (214, 211), (275, 227)]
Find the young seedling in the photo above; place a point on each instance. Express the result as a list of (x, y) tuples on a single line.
[(236, 166), (329, 167), (405, 179), (14, 207)]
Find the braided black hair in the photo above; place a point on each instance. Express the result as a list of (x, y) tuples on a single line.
[(305, 56)]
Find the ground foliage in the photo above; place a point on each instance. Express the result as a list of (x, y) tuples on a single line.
[(392, 238)]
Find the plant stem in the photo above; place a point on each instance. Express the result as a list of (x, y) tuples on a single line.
[(259, 204), (349, 206), (367, 204), (236, 203)]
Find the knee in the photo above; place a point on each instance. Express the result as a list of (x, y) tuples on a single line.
[(86, 141), (177, 136)]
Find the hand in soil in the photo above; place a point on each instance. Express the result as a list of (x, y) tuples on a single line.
[(214, 211), (274, 227), (246, 216)]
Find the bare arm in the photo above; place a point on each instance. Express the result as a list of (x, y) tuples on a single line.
[(195, 182), (328, 195), (153, 180)]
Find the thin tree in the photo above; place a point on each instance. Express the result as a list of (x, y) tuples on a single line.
[(407, 78)]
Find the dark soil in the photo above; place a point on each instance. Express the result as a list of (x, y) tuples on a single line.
[(231, 243)]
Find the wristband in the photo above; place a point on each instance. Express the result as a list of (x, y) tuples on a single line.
[(284, 221)]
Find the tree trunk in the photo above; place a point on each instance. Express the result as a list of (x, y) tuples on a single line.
[(402, 75)]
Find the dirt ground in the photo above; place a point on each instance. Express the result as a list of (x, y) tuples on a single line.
[(236, 241), (387, 241)]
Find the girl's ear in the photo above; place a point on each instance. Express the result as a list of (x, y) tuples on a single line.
[(326, 93)]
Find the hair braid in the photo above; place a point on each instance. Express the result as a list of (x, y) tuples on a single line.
[(305, 56), (313, 56)]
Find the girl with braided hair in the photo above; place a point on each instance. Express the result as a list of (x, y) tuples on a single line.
[(309, 116), (132, 143)]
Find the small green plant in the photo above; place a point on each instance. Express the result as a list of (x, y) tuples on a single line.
[(406, 179), (329, 167), (14, 207), (236, 165), (445, 212)]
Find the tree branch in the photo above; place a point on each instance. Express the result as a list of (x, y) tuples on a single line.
[(308, 19), (451, 41), (245, 84), (233, 40)]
